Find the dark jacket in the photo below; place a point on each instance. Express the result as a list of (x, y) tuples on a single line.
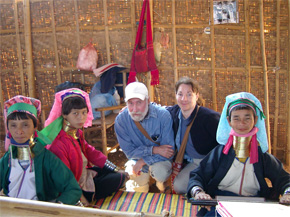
[(203, 130), (215, 166)]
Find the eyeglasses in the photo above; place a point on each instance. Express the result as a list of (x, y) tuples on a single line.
[(188, 95)]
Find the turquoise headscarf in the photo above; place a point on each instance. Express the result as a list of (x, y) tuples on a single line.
[(224, 128)]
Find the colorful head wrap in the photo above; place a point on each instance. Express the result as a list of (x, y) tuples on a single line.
[(53, 124), (246, 102), (60, 97), (20, 103), (233, 100)]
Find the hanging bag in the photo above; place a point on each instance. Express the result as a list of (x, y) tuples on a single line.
[(143, 59), (88, 58)]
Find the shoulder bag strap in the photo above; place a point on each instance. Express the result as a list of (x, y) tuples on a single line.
[(180, 154), (143, 131)]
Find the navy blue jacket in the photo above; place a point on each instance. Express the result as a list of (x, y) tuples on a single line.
[(203, 129), (215, 165)]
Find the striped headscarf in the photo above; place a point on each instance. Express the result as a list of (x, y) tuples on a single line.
[(20, 103)]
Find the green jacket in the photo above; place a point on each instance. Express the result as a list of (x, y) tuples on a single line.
[(53, 180)]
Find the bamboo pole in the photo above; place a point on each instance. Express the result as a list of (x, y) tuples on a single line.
[(174, 43), (148, 74), (133, 22), (265, 71), (28, 49), (236, 69), (78, 37), (77, 25), (247, 46), (212, 45), (1, 95), (288, 92), (58, 75), (20, 64), (119, 26), (276, 115), (107, 31)]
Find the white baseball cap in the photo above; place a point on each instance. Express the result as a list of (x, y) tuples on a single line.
[(136, 90)]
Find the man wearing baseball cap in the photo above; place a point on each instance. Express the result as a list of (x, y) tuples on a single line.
[(151, 154)]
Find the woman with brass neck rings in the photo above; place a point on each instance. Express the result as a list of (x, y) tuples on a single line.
[(96, 175), (28, 170)]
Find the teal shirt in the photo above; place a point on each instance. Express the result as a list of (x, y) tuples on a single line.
[(53, 180)]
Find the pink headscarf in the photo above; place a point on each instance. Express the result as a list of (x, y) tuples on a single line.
[(19, 99), (57, 105)]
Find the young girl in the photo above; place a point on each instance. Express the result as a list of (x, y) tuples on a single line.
[(28, 170), (240, 165), (96, 176)]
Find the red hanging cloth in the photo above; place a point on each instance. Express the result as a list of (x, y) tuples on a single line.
[(143, 59)]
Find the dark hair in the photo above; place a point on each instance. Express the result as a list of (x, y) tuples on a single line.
[(74, 102), (194, 87), (21, 116), (240, 107)]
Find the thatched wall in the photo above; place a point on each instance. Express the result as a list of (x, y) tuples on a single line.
[(233, 58)]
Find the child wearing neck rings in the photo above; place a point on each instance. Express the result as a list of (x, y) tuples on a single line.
[(28, 170), (239, 166), (96, 175)]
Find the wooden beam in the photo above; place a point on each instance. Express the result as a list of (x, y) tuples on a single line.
[(128, 26), (148, 74), (28, 49), (175, 71), (10, 206), (58, 75), (212, 48), (288, 93), (236, 69), (265, 72), (18, 45), (77, 25), (1, 96), (133, 22), (247, 46), (107, 36), (277, 83)]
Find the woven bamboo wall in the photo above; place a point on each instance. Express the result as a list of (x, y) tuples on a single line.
[(228, 60)]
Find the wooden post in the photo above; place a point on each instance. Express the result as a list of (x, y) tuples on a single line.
[(78, 37), (133, 22), (77, 24), (20, 64), (108, 50), (276, 116), (176, 77), (247, 46), (288, 94), (265, 71), (58, 75), (28, 49), (148, 74), (212, 45), (1, 93)]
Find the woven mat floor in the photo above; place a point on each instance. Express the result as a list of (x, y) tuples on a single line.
[(147, 203)]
